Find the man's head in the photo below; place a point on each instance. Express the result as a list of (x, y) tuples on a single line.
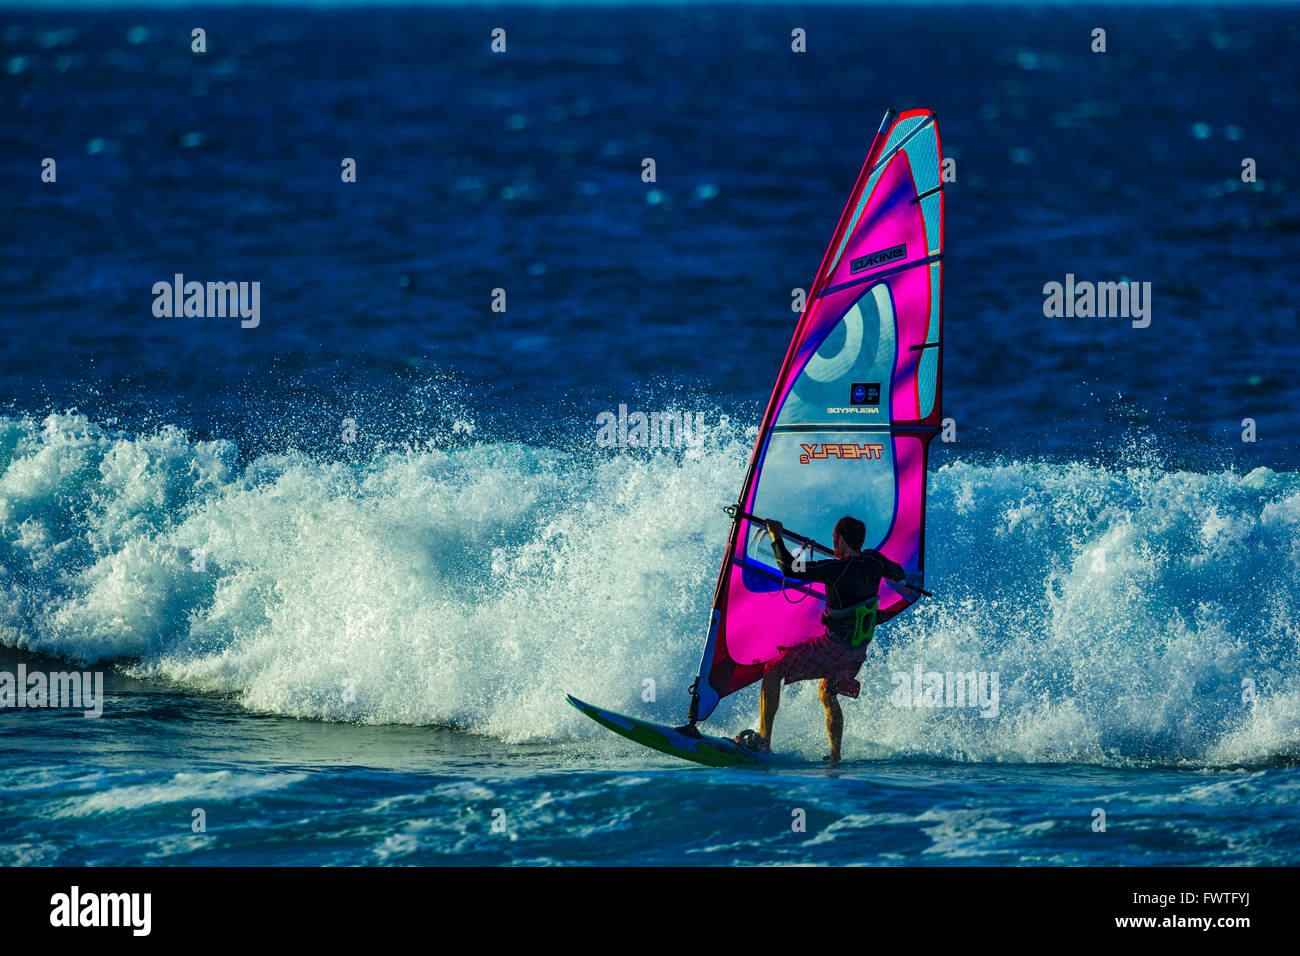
[(849, 535)]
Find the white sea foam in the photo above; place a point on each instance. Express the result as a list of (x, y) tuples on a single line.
[(184, 788), (1122, 608)]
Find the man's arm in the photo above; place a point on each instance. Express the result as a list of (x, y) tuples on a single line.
[(890, 570), (813, 570)]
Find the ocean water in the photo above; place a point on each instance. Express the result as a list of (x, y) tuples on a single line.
[(339, 570)]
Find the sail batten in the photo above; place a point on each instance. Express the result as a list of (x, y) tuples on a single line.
[(854, 408)]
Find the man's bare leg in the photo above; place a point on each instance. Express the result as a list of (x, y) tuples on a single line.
[(834, 717), (768, 702)]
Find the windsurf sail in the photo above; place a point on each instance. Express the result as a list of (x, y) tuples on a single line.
[(848, 427)]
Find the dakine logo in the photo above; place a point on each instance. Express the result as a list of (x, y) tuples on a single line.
[(862, 263), (131, 910), (865, 393)]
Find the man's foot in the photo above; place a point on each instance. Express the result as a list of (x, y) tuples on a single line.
[(753, 741)]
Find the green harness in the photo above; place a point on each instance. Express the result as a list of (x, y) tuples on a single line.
[(853, 626)]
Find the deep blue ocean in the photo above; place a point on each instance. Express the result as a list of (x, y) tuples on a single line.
[(339, 570)]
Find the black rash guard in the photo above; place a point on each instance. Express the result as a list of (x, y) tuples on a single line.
[(844, 588)]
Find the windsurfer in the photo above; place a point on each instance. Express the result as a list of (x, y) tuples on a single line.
[(852, 579)]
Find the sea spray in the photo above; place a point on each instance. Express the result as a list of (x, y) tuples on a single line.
[(472, 586)]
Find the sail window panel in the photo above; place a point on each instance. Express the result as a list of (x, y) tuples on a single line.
[(811, 479), (846, 380)]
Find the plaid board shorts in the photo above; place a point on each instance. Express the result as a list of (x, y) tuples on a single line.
[(818, 658)]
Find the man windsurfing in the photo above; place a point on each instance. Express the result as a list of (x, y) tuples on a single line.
[(852, 580)]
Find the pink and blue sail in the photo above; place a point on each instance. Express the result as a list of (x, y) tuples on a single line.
[(849, 423)]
